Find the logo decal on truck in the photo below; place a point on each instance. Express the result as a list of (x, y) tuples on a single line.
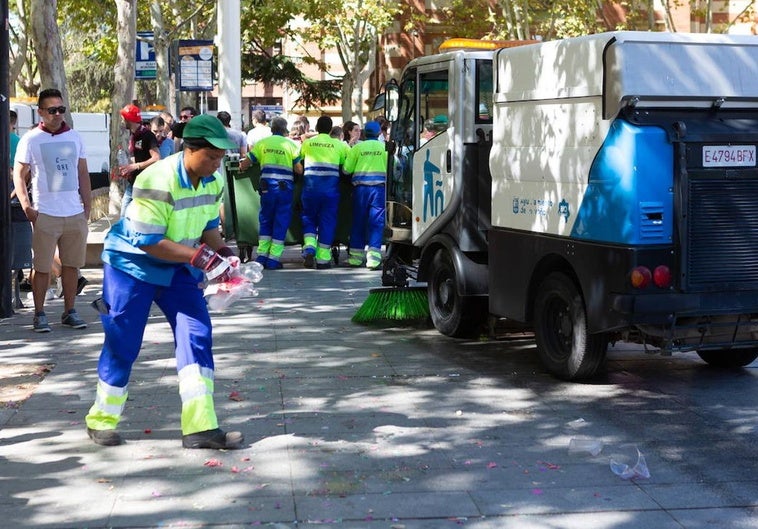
[(434, 199)]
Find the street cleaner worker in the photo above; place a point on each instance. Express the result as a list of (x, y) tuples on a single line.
[(158, 253), (323, 157), (367, 162), (279, 158)]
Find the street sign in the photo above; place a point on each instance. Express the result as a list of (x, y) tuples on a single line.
[(144, 58), (195, 65)]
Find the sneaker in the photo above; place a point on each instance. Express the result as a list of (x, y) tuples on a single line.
[(309, 260), (40, 323), (105, 437), (72, 319), (80, 284), (216, 439)]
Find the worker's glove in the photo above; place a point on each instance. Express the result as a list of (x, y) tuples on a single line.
[(212, 263)]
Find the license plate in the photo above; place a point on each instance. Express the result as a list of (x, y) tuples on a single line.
[(728, 155)]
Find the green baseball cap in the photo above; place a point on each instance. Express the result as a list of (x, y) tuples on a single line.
[(209, 128)]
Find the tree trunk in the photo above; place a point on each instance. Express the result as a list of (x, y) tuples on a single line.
[(161, 43), (123, 85), (48, 47), (22, 45)]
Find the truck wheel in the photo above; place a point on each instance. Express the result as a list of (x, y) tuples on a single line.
[(565, 347), (729, 358), (452, 314)]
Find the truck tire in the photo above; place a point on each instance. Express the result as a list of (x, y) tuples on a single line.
[(726, 358), (564, 346), (452, 314)]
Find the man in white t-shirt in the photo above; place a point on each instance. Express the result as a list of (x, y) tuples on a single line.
[(260, 129), (53, 158)]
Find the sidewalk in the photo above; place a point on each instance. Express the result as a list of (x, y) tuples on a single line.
[(346, 426)]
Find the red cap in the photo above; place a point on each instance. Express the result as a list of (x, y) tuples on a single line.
[(131, 113)]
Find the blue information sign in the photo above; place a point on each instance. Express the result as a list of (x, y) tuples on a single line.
[(144, 63)]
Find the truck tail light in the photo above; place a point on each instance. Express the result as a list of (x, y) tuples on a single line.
[(662, 276), (641, 277)]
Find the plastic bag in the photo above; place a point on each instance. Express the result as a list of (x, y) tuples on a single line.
[(220, 296), (585, 445), (639, 470)]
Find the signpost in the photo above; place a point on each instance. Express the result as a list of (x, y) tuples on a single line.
[(195, 65), (144, 58)]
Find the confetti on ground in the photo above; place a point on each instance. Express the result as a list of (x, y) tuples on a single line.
[(537, 492), (491, 464), (147, 430), (235, 395), (213, 463)]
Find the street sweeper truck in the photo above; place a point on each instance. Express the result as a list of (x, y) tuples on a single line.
[(598, 189)]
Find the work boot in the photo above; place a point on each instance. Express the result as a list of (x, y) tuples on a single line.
[(216, 439), (105, 437), (309, 260)]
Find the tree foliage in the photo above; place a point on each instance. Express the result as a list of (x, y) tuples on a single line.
[(352, 27)]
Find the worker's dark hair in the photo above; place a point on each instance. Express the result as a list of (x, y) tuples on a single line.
[(279, 126), (324, 125), (198, 143)]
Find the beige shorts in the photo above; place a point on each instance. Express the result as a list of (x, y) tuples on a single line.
[(68, 234)]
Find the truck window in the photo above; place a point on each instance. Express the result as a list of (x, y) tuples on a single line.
[(434, 88), (484, 91)]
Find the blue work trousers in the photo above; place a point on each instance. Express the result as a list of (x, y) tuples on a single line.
[(320, 214), (129, 300), (276, 208), (368, 217)]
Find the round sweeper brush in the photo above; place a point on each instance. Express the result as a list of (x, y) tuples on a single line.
[(393, 303)]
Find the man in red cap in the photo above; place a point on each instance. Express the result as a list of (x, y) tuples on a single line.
[(143, 150)]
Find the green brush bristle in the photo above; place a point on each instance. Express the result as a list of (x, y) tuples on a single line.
[(393, 304)]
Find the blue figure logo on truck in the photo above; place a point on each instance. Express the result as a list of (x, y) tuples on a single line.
[(434, 199)]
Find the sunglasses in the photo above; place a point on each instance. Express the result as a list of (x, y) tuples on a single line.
[(55, 110)]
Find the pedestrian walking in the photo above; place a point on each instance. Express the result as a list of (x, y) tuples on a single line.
[(53, 158), (157, 254), (279, 158), (323, 158), (143, 149), (367, 162)]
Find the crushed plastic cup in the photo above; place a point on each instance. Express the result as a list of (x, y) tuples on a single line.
[(252, 271), (624, 471), (220, 296), (581, 445)]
